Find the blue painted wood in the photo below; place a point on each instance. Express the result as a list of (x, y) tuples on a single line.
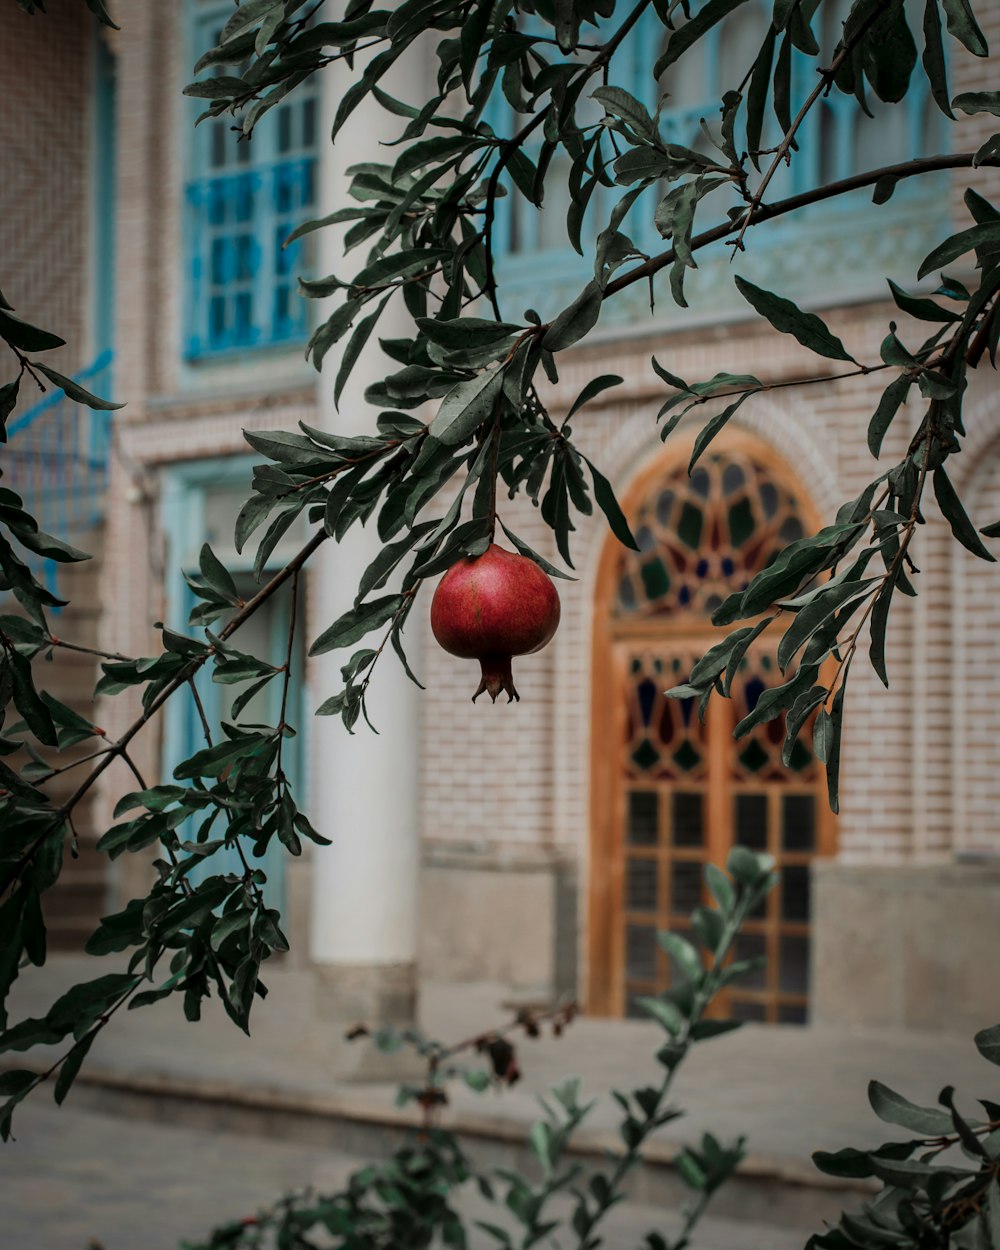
[(242, 200), (187, 488)]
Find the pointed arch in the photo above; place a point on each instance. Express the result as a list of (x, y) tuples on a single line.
[(667, 793)]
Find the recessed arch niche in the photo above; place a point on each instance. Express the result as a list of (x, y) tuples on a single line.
[(668, 793)]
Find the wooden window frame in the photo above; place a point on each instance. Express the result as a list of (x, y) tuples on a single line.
[(605, 964)]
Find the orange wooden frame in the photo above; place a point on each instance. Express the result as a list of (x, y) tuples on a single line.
[(605, 958)]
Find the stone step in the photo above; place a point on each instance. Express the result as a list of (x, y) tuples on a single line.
[(365, 1124)]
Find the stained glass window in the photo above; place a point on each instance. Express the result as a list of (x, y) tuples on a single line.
[(702, 537), (691, 790)]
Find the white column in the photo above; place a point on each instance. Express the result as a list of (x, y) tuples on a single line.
[(364, 787)]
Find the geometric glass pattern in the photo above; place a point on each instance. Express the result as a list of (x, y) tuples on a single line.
[(690, 790), (243, 199), (703, 537)]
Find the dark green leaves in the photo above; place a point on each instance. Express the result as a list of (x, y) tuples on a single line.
[(23, 335), (988, 1043), (75, 391), (978, 102), (354, 624), (987, 234), (609, 505), (576, 321), (963, 26), (789, 319), (708, 15), (956, 516), (895, 1109), (466, 407), (893, 397)]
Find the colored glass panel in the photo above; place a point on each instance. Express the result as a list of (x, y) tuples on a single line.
[(704, 537), (643, 818), (798, 822), (751, 821), (687, 824), (640, 885), (795, 892), (685, 887)]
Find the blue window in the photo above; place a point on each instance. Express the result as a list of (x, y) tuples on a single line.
[(243, 199), (835, 141), (201, 501)]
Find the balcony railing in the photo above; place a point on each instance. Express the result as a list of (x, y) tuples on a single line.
[(56, 459)]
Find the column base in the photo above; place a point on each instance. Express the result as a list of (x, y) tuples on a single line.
[(373, 996)]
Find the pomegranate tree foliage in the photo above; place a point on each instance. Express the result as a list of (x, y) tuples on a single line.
[(462, 411)]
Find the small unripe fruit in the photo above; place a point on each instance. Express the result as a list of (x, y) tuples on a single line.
[(492, 607)]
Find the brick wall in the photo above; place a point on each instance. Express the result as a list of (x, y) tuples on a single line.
[(46, 65)]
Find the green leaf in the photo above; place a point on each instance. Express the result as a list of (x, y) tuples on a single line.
[(466, 407), (746, 867), (893, 1108), (620, 104), (8, 402), (685, 36), (878, 627), (606, 501), (847, 1163), (663, 1012), (978, 102), (988, 1043), (893, 397), (27, 337), (933, 58), (963, 26), (714, 426), (787, 317), (757, 95), (356, 344), (810, 618), (217, 575), (683, 954), (28, 701), (71, 1066), (29, 1033), (576, 321), (75, 391), (213, 761), (956, 516), (720, 887), (958, 245), (354, 624), (593, 388), (16, 1081)]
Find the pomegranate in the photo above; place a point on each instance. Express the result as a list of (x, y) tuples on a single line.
[(492, 607)]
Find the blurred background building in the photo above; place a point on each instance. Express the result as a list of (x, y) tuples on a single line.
[(537, 847)]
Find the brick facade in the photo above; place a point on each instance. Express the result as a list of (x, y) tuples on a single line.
[(505, 790)]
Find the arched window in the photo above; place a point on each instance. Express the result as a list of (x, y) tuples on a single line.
[(671, 793)]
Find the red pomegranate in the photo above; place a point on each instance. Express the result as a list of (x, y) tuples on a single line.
[(492, 607)]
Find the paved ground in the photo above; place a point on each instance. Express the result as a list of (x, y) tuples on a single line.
[(791, 1090), (76, 1174), (75, 1180)]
